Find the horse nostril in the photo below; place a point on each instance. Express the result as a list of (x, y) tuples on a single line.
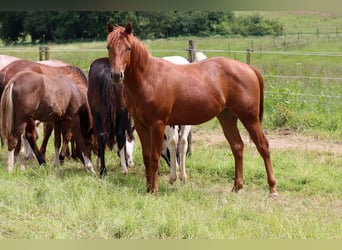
[(117, 77)]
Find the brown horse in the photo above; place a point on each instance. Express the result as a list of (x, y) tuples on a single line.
[(49, 67), (160, 93), (56, 99)]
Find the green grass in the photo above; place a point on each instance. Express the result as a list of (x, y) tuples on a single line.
[(68, 203)]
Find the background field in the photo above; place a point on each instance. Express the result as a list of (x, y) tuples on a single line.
[(302, 120)]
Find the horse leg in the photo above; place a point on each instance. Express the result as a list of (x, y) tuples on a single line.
[(57, 143), (27, 148), (145, 141), (189, 139), (31, 136), (129, 145), (14, 146), (185, 131), (17, 155), (47, 130), (255, 131), (80, 142), (228, 122), (156, 134), (12, 143), (67, 137), (129, 149), (121, 140), (101, 141), (172, 141)]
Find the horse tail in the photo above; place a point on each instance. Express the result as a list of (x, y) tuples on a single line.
[(261, 85), (7, 112)]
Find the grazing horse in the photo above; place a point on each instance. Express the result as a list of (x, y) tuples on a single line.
[(50, 67), (159, 92), (110, 116), (177, 139), (56, 99)]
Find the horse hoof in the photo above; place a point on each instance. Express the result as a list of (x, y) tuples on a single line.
[(124, 172), (274, 195)]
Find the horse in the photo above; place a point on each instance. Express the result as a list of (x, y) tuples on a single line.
[(30, 96), (159, 92), (49, 67), (112, 122), (177, 139)]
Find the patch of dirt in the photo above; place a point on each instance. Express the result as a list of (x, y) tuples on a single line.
[(280, 139)]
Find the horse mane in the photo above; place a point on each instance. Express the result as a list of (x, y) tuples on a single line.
[(108, 107), (78, 75), (139, 54)]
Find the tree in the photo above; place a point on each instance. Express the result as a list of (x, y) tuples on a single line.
[(12, 26)]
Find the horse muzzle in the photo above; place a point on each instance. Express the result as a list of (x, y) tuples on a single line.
[(117, 76)]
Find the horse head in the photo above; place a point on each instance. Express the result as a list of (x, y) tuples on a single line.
[(119, 48)]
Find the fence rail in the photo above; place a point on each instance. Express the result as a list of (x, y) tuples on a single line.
[(45, 51)]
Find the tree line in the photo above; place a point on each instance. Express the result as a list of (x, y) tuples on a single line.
[(66, 26)]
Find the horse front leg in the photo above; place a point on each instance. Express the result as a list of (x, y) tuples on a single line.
[(157, 135), (228, 122), (145, 140), (57, 143)]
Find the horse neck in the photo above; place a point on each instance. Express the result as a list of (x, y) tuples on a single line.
[(139, 60)]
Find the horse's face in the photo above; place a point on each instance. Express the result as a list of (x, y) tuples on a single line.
[(119, 48)]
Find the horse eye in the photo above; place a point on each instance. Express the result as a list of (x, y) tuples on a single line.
[(128, 49), (107, 47)]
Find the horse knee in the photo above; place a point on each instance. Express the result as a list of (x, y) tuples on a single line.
[(237, 150)]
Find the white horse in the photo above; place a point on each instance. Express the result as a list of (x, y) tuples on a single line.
[(176, 139)]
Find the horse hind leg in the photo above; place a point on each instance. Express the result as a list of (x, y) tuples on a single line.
[(129, 150), (185, 131), (228, 122), (255, 131), (31, 136), (172, 141)]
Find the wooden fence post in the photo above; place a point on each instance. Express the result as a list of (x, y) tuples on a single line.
[(191, 51), (44, 53), (249, 56)]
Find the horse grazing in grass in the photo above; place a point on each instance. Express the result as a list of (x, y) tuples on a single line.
[(112, 121), (49, 67), (59, 100), (159, 92)]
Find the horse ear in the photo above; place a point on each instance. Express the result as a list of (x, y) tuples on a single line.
[(129, 28), (110, 27)]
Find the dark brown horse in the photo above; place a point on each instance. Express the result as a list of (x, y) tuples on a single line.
[(112, 122), (56, 99), (160, 93), (54, 68)]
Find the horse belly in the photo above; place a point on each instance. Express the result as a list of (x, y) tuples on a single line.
[(194, 114)]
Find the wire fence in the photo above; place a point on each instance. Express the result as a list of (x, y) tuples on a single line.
[(44, 53)]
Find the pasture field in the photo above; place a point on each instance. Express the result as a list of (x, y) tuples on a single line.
[(302, 120)]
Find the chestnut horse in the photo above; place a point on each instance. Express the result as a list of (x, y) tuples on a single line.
[(159, 92), (56, 99), (112, 122), (49, 67)]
